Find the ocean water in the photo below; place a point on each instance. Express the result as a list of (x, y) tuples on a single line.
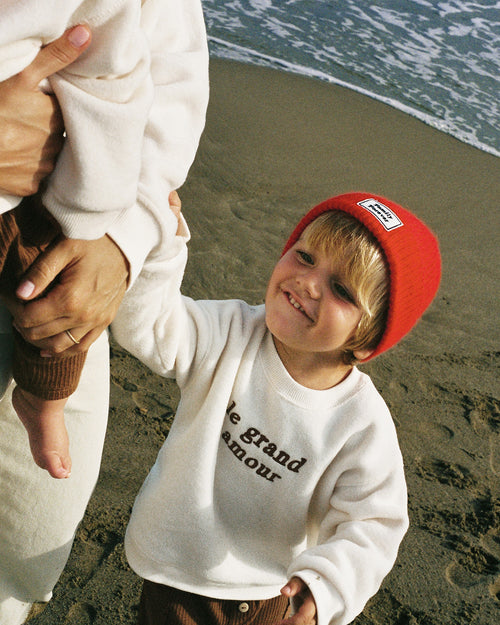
[(438, 61)]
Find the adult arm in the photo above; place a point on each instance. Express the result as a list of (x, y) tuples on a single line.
[(31, 134), (179, 59)]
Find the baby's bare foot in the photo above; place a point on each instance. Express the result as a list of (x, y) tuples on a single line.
[(48, 437)]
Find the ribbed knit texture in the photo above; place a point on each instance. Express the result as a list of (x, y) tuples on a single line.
[(162, 605), (411, 251), (25, 232), (46, 378)]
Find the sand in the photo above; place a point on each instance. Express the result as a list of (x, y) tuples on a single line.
[(274, 145)]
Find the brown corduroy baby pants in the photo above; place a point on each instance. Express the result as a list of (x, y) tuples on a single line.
[(163, 605), (25, 232)]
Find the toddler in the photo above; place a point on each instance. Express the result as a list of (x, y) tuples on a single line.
[(281, 478)]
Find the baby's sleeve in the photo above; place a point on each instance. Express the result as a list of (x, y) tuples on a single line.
[(105, 97), (179, 67)]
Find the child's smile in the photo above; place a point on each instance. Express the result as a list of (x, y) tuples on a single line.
[(297, 306), (311, 309)]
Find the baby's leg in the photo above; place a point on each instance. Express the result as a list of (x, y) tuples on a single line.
[(48, 437)]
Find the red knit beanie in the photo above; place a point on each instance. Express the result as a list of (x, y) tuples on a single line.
[(411, 251)]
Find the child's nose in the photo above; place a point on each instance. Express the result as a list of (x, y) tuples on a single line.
[(311, 282)]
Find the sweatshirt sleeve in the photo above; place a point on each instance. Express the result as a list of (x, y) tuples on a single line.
[(179, 67), (170, 333), (105, 98), (362, 527), (151, 319)]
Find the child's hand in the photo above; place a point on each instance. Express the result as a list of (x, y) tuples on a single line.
[(174, 202), (306, 607)]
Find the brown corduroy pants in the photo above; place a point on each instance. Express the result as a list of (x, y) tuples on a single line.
[(163, 605), (25, 232)]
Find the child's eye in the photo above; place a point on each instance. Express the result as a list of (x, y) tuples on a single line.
[(342, 292), (305, 257)]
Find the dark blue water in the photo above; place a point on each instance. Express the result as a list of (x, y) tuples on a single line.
[(438, 61)]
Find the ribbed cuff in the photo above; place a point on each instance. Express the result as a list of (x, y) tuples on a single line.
[(46, 378)]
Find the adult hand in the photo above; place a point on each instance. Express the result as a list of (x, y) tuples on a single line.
[(85, 298), (304, 601), (31, 125), (91, 282)]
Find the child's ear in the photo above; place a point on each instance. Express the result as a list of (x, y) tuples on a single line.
[(362, 354)]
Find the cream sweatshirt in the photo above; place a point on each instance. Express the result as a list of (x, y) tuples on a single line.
[(260, 478), (133, 104)]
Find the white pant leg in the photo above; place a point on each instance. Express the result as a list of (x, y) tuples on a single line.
[(14, 612), (39, 514)]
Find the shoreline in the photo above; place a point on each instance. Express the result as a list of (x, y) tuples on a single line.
[(276, 144), (282, 65)]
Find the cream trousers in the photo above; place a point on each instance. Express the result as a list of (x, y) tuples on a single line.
[(38, 514)]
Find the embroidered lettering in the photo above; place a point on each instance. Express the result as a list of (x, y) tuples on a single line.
[(238, 451), (253, 436), (252, 463), (296, 465), (282, 458), (234, 417), (264, 471), (270, 449), (249, 435)]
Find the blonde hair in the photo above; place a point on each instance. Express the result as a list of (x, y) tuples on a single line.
[(343, 237)]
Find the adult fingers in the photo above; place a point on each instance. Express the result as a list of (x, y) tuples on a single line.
[(42, 273), (63, 345), (57, 55), (62, 342)]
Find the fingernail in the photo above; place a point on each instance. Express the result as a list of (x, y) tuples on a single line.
[(78, 36), (25, 289), (44, 354)]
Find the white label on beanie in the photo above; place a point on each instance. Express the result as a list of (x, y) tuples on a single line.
[(381, 212)]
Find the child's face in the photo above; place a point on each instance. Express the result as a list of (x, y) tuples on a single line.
[(310, 306)]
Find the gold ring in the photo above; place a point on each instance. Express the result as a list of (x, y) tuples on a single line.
[(70, 336)]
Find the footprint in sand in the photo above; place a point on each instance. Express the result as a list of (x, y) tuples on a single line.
[(476, 559), (491, 543), (495, 589), (449, 473), (81, 613), (483, 413), (459, 576), (438, 432), (96, 545)]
